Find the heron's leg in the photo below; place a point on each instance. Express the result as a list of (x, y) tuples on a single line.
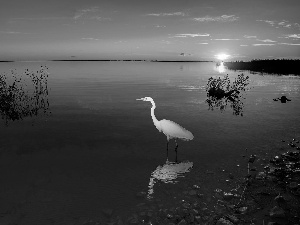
[(176, 149), (167, 148)]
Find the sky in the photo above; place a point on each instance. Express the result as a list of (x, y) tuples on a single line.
[(151, 30)]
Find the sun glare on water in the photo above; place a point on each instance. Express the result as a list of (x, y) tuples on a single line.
[(222, 56)]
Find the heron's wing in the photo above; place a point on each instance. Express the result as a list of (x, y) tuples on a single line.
[(174, 130)]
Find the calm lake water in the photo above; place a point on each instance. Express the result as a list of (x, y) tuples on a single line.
[(99, 149)]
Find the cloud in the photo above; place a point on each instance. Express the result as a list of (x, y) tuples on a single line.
[(282, 23), (223, 18), (292, 36), (91, 39), (263, 44), (167, 14), (37, 18), (288, 44), (270, 22), (89, 13), (192, 35), (12, 32), (159, 26), (266, 40), (81, 13), (249, 36), (243, 45), (204, 43), (225, 39)]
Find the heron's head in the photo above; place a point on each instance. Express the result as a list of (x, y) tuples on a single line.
[(146, 99)]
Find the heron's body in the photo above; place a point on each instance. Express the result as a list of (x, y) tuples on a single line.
[(171, 129), (174, 130)]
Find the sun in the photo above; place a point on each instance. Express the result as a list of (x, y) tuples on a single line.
[(222, 56)]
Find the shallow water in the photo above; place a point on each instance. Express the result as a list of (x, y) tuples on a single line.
[(99, 147)]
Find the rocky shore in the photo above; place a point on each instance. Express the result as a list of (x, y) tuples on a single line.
[(268, 193)]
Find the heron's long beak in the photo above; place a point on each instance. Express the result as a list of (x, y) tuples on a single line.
[(141, 99)]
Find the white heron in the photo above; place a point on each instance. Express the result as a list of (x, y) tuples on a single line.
[(171, 129)]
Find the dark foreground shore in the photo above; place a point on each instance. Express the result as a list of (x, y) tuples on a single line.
[(257, 190), (267, 66)]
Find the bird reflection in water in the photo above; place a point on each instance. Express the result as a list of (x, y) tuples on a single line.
[(168, 173)]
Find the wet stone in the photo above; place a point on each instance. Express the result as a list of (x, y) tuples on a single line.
[(196, 186), (223, 221), (200, 195), (192, 192), (227, 196), (293, 185), (198, 219), (182, 222), (195, 211), (242, 210), (186, 205), (233, 218), (261, 176), (277, 212)]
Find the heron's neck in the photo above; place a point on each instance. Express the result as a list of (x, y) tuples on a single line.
[(155, 121)]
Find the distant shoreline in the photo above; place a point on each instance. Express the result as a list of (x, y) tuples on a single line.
[(276, 66), (103, 60)]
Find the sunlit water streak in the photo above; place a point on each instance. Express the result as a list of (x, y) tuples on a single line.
[(99, 147)]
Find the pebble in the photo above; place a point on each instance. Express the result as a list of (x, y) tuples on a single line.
[(198, 219), (233, 218), (222, 221), (196, 186), (228, 196), (195, 211), (186, 205), (293, 185), (218, 190), (242, 210), (192, 192), (292, 145), (200, 195), (279, 199), (277, 212), (261, 176), (182, 222)]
